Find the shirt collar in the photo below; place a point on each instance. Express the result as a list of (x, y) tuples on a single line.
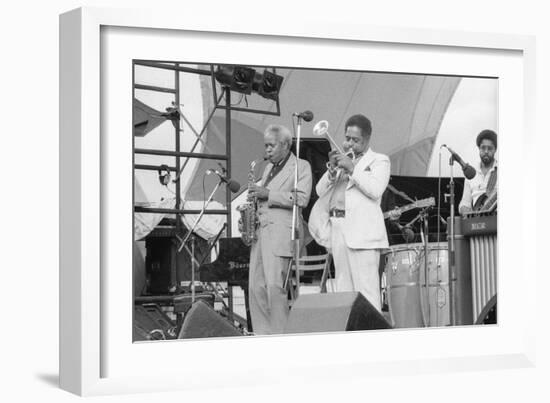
[(364, 153), (283, 161)]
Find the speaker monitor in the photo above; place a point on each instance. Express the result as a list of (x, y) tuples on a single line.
[(488, 316), (202, 321), (151, 323), (332, 312)]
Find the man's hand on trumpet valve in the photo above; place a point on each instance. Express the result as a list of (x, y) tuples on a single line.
[(344, 162), (332, 158), (259, 192)]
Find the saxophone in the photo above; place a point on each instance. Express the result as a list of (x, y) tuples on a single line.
[(249, 217)]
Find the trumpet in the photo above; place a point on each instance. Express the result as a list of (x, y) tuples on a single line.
[(321, 129)]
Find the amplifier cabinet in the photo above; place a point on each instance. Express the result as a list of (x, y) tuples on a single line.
[(165, 267)]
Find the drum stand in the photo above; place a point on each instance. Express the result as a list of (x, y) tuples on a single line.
[(424, 233)]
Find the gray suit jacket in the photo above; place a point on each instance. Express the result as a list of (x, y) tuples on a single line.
[(275, 213)]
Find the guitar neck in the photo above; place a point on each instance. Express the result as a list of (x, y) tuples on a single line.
[(492, 181), (418, 204)]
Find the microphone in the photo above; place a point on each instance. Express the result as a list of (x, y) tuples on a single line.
[(233, 185), (469, 171), (307, 116)]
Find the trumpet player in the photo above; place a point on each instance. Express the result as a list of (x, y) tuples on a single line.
[(347, 218), (272, 251)]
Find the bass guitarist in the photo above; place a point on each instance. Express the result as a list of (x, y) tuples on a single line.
[(481, 191)]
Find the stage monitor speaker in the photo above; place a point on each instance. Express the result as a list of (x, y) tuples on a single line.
[(488, 315), (202, 321), (333, 312), (151, 323)]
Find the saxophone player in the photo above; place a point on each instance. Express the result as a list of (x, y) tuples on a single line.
[(272, 251)]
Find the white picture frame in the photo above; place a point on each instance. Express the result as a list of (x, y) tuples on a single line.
[(86, 165)]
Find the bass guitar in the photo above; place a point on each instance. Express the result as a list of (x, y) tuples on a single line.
[(488, 200)]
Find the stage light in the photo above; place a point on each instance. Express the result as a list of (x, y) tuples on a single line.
[(246, 80), (237, 78), (268, 84)]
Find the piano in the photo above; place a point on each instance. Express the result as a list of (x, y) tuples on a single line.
[(231, 265)]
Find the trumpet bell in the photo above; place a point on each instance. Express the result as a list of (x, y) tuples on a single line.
[(320, 128)]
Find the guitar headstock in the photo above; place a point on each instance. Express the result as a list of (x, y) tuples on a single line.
[(428, 202)]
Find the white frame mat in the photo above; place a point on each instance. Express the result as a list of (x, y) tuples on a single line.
[(96, 355)]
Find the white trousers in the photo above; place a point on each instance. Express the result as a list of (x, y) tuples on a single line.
[(356, 269)]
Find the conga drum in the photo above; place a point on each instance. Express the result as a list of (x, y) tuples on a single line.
[(409, 306)]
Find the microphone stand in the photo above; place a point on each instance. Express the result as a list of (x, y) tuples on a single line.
[(191, 253), (423, 216), (452, 267), (295, 209), (425, 231)]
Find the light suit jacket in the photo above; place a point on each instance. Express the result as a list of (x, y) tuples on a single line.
[(275, 213), (364, 221)]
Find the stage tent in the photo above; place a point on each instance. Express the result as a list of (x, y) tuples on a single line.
[(406, 112)]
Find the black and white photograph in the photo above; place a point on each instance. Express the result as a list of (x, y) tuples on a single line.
[(274, 200)]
